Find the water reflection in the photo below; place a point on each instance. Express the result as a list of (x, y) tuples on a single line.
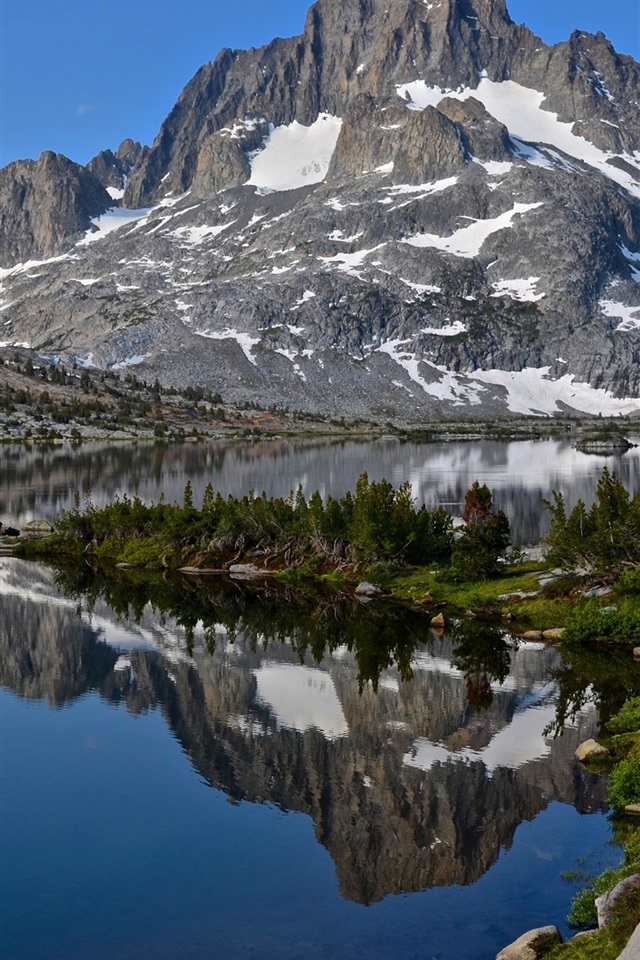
[(416, 755), (42, 480)]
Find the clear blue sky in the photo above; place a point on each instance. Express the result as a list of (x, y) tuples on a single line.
[(77, 76)]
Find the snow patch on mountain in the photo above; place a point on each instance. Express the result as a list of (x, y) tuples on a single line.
[(448, 330), (349, 262), (295, 156), (533, 392), (523, 290), (112, 220), (629, 316), (244, 340), (468, 241), (197, 235), (632, 259)]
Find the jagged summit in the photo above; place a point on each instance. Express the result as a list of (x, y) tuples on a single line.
[(113, 169), (412, 208)]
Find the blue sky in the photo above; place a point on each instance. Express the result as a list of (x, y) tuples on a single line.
[(77, 77)]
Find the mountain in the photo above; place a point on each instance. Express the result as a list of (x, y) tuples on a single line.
[(412, 210)]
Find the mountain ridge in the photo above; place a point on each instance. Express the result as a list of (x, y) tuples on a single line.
[(411, 209)]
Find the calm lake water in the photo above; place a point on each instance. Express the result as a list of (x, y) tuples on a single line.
[(230, 774), (41, 481), (196, 773)]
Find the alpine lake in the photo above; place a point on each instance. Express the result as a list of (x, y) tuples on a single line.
[(214, 769)]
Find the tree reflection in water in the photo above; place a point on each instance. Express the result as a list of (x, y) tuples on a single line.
[(402, 744)]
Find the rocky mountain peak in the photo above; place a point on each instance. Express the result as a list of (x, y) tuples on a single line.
[(44, 204), (413, 206), (113, 169)]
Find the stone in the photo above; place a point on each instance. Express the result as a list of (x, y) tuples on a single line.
[(556, 633), (632, 949), (366, 589), (633, 809), (636, 653), (590, 750), (597, 592), (38, 528), (528, 945), (532, 635), (605, 905), (247, 571), (438, 621)]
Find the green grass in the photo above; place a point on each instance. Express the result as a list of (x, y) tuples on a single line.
[(431, 584)]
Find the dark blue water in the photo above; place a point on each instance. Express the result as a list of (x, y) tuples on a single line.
[(112, 846), (235, 802)]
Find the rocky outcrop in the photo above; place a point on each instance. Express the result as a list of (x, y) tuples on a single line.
[(223, 157), (113, 169), (44, 205)]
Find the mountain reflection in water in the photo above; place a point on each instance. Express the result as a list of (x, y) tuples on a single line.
[(41, 481), (416, 755)]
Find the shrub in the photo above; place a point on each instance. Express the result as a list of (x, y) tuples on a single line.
[(629, 581), (593, 622), (625, 783)]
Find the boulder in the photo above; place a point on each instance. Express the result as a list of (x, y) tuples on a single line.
[(636, 653), (366, 589), (633, 809), (38, 528), (532, 635), (528, 945), (605, 905), (438, 621), (590, 750), (556, 633)]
